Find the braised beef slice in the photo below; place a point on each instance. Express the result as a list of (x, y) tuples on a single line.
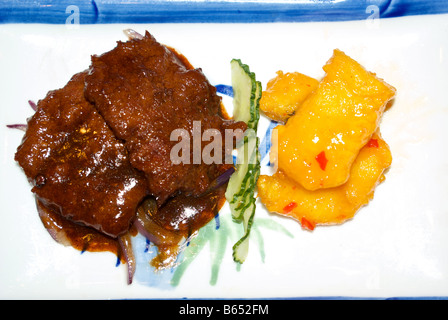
[(77, 166), (73, 234), (144, 91)]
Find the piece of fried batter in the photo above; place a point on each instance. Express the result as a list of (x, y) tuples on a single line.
[(283, 195), (285, 93), (319, 143)]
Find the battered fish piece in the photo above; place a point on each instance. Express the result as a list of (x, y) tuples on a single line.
[(145, 91), (318, 145), (285, 93), (77, 167), (282, 195)]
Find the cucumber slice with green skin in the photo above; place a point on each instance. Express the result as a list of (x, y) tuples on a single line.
[(242, 182), (247, 164), (258, 91), (241, 248), (240, 191), (247, 186), (239, 209), (243, 200), (246, 94)]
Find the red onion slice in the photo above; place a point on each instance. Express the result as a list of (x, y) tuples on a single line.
[(54, 228), (125, 242), (150, 229), (132, 34), (33, 105), (22, 127), (223, 178)]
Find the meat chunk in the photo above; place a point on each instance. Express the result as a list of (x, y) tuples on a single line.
[(76, 165), (145, 91)]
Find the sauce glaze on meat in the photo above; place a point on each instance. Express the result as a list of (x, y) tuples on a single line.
[(99, 148), (76, 165), (145, 91)]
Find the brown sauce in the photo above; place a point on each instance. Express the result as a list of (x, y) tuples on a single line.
[(179, 219), (78, 236)]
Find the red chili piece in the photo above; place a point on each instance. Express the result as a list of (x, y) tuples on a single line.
[(373, 143), (289, 207), (322, 160), (307, 224)]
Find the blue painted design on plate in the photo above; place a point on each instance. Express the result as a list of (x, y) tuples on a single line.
[(266, 142), (218, 223), (225, 89), (148, 243), (158, 11)]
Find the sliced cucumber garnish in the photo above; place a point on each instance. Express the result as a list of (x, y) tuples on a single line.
[(246, 94), (241, 186)]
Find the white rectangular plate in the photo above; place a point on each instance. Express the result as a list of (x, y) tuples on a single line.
[(395, 247)]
